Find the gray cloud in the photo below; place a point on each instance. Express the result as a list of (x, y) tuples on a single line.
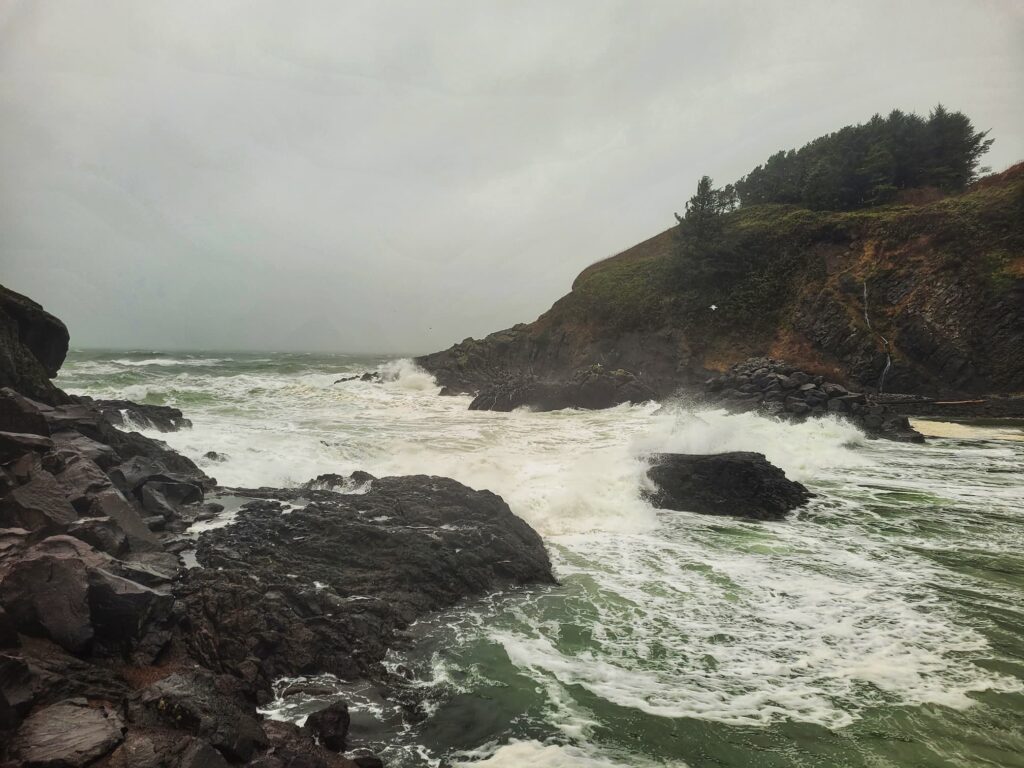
[(396, 176)]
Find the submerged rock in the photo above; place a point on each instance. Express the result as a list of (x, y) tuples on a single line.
[(741, 484)]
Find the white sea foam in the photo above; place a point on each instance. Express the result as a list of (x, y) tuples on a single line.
[(535, 753), (816, 619), (166, 362)]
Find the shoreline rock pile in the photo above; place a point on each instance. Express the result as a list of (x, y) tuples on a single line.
[(113, 653), (776, 388), (591, 388)]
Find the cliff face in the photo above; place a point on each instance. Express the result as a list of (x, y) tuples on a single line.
[(33, 345), (936, 291)]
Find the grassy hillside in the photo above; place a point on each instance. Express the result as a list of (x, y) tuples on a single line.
[(944, 281)]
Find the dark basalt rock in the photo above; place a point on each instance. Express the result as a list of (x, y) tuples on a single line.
[(778, 389), (127, 414), (591, 388), (33, 345), (371, 563), (68, 735), (293, 747), (13, 445), (740, 484), (202, 704), (100, 663), (40, 505), (330, 726)]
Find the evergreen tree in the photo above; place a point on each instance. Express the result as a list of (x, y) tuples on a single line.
[(868, 164)]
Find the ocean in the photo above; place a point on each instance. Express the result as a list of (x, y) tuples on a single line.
[(882, 625)]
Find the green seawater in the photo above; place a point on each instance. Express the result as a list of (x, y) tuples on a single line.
[(882, 625)]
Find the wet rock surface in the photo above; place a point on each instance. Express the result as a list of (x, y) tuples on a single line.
[(112, 653), (776, 388), (591, 388), (370, 564), (33, 345), (128, 414), (740, 484)]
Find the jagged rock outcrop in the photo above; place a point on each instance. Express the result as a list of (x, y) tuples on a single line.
[(931, 295), (126, 414), (778, 389), (112, 654), (740, 484), (371, 563), (590, 388), (33, 345)]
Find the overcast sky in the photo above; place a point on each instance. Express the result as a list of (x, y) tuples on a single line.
[(394, 177)]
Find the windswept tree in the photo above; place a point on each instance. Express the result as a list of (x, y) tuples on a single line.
[(869, 164), (702, 253)]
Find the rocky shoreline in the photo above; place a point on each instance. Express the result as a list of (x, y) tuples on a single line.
[(114, 652)]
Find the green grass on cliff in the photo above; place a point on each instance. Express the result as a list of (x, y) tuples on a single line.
[(980, 232)]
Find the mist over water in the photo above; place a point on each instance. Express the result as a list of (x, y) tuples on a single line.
[(878, 626)]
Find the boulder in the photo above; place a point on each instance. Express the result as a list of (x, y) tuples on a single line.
[(81, 479), (739, 484), (291, 747), (69, 734), (102, 533), (39, 506), (330, 725), (15, 444), (22, 414), (127, 414), (110, 503), (72, 443), (590, 388), (16, 690), (33, 345), (371, 563), (762, 383), (204, 705), (119, 609), (45, 591)]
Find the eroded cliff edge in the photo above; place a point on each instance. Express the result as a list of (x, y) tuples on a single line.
[(942, 283)]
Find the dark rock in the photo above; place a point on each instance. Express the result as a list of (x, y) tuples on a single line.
[(8, 635), (164, 749), (330, 725), (126, 413), (33, 345), (119, 609), (16, 691), (408, 546), (742, 484), (211, 707), (74, 443), (110, 503), (81, 479), (102, 533), (39, 506), (214, 456), (21, 414), (14, 444), (70, 734), (45, 592), (806, 396), (293, 747), (589, 388)]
